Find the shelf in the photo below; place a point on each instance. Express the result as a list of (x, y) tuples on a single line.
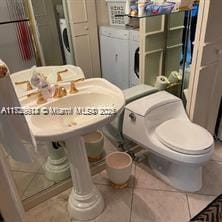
[(145, 16)]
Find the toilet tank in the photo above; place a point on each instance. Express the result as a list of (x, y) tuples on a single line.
[(113, 130), (156, 109)]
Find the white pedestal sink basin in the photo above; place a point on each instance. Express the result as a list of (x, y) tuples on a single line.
[(56, 168), (95, 95)]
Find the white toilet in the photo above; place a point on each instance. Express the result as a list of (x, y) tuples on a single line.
[(178, 148)]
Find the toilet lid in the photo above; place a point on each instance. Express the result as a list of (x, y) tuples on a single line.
[(184, 136)]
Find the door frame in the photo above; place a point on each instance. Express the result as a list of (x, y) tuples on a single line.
[(40, 59), (195, 60)]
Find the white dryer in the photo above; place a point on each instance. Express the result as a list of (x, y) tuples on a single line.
[(65, 41), (114, 46), (120, 55), (134, 58)]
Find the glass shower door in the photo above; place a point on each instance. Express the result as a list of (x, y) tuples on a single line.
[(16, 45)]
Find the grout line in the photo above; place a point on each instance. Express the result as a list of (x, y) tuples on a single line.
[(175, 191), (28, 185), (23, 171), (131, 205), (36, 173), (188, 205), (217, 161), (133, 188), (209, 195)]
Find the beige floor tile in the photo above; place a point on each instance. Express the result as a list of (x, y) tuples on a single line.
[(38, 159), (217, 156), (198, 202), (38, 184), (117, 207), (159, 206), (2, 149), (109, 147), (102, 178), (22, 180), (145, 178), (212, 179), (24, 167), (52, 210), (117, 204)]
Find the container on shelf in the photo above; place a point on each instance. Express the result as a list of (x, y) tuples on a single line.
[(117, 7)]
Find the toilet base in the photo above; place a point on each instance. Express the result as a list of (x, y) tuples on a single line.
[(182, 177)]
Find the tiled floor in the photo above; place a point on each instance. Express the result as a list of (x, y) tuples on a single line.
[(146, 200), (30, 178)]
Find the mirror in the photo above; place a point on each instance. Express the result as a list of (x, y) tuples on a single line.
[(52, 27), (20, 22), (168, 49)]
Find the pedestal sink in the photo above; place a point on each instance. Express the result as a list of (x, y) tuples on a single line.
[(93, 106)]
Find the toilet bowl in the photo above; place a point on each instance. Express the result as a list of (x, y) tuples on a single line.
[(178, 148)]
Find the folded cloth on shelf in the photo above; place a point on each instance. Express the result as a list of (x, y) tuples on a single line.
[(14, 129), (157, 9)]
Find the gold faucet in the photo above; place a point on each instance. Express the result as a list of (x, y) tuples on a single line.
[(40, 98), (59, 77), (60, 91), (73, 88), (3, 70), (28, 86)]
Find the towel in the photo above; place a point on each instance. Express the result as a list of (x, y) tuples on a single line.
[(14, 130)]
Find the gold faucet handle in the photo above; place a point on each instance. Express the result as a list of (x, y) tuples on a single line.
[(63, 91), (3, 70), (29, 86), (59, 77), (33, 94), (56, 93), (73, 88), (41, 99), (78, 80), (60, 91)]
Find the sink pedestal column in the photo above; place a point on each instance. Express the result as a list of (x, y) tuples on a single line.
[(57, 165), (85, 201)]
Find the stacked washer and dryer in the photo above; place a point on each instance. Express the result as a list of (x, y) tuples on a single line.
[(119, 47)]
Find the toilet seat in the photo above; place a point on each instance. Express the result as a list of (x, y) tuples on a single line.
[(185, 137)]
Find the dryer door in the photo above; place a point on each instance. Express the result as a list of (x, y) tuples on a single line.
[(137, 62), (134, 64)]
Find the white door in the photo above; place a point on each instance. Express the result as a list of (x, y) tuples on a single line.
[(107, 55), (205, 87), (83, 24), (44, 13)]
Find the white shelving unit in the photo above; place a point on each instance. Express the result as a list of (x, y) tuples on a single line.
[(160, 45)]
